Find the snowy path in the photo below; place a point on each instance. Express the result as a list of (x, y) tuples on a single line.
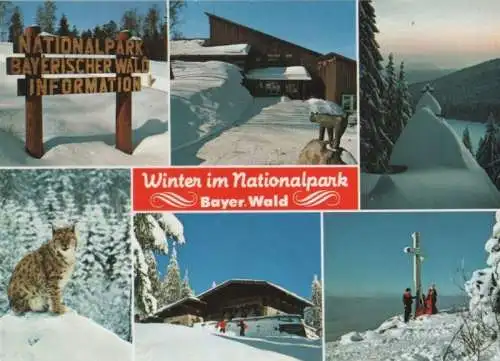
[(154, 342), (425, 339), (274, 134)]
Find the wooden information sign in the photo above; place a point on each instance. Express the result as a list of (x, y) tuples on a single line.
[(125, 56)]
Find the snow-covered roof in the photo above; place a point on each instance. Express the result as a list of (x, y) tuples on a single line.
[(428, 100), (176, 303), (195, 47), (279, 73), (254, 282)]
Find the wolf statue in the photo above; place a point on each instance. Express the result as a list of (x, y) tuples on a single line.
[(336, 126)]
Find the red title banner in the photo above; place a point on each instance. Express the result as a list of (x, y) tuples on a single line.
[(245, 188)]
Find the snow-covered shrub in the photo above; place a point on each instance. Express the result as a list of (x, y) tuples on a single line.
[(478, 336), (151, 235)]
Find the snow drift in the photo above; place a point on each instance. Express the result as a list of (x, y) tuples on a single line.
[(154, 341), (439, 166), (43, 337), (206, 98)]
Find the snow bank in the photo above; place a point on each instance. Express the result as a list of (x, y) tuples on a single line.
[(423, 339), (206, 98), (443, 171), (268, 326), (42, 337), (279, 73), (428, 101), (154, 341), (196, 47)]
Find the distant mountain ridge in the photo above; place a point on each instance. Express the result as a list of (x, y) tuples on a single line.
[(467, 94)]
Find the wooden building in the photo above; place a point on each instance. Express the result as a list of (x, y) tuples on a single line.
[(232, 299), (329, 76)]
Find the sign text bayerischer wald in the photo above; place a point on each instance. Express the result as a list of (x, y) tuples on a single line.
[(76, 58)]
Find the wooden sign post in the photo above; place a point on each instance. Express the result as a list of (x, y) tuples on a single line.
[(129, 59)]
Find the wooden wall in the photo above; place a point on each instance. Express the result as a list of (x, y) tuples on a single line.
[(339, 76), (329, 81)]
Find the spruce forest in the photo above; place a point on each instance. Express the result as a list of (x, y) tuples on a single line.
[(98, 203)]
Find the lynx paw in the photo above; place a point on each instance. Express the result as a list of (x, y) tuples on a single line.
[(59, 310)]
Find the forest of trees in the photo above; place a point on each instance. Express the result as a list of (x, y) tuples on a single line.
[(150, 27), (98, 203), (385, 101), (488, 151)]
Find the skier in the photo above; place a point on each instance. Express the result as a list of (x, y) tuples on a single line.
[(242, 325), (407, 302)]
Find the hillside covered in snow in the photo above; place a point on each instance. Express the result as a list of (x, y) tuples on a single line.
[(79, 129), (215, 120), (43, 337)]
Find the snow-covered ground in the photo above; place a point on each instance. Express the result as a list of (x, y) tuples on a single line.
[(43, 337), (423, 339), (216, 121), (154, 341), (80, 129), (441, 173)]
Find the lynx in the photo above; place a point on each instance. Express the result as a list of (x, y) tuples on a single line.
[(39, 278), (336, 126)]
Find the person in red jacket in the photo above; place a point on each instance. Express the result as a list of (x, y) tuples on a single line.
[(407, 302), (221, 325)]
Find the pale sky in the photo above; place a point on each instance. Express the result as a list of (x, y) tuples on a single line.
[(447, 33)]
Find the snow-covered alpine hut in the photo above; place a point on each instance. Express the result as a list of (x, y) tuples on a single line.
[(232, 299), (326, 76)]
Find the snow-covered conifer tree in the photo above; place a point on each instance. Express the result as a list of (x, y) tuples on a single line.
[(488, 152), (375, 147), (466, 140), (172, 283), (151, 235), (314, 316), (391, 119), (186, 290), (403, 100)]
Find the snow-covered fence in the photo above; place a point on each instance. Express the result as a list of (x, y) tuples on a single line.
[(127, 58)]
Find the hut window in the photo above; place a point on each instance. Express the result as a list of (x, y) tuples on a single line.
[(288, 56)]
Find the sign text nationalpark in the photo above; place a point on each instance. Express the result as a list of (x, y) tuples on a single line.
[(246, 188), (40, 65)]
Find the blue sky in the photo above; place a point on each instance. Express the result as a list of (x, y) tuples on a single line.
[(283, 248), (364, 251), (88, 14), (323, 26)]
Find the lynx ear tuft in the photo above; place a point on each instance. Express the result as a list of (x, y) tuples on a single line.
[(72, 227), (53, 228)]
